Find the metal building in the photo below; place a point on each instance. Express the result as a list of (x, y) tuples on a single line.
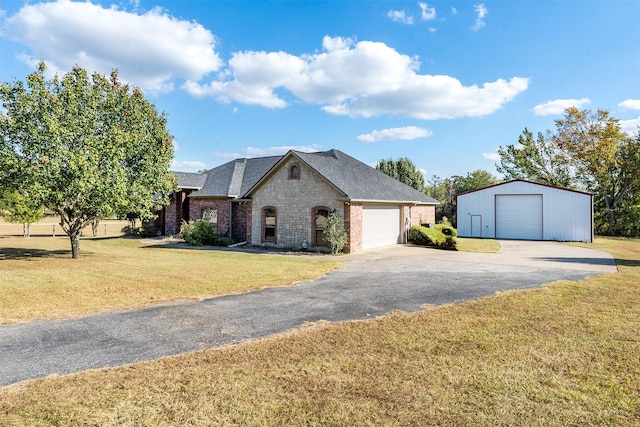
[(526, 210)]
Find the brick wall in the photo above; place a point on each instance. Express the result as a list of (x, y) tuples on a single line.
[(170, 226), (293, 199), (239, 221), (421, 214), (222, 205), (353, 226)]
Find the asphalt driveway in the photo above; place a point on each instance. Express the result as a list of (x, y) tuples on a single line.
[(370, 284)]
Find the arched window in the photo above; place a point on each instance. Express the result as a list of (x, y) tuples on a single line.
[(294, 172), (269, 225), (320, 214)]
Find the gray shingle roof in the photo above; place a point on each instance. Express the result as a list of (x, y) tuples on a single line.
[(234, 178), (190, 179), (359, 181), (356, 180)]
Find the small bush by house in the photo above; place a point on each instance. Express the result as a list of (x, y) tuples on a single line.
[(420, 235), (203, 232), (447, 229), (147, 230)]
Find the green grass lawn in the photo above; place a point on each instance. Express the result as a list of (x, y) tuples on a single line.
[(465, 244), (564, 354), (39, 278)]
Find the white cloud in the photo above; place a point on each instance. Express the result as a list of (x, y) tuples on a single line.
[(631, 126), (187, 166), (630, 104), (427, 13), (251, 152), (491, 156), (454, 11), (357, 79), (558, 106), (400, 16), (482, 12), (150, 49), (405, 133)]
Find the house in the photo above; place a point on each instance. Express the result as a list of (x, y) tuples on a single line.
[(526, 210), (284, 201)]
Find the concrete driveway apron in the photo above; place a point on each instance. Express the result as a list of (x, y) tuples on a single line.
[(368, 285)]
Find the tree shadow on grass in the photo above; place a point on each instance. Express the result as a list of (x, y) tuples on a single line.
[(628, 262), (31, 253)]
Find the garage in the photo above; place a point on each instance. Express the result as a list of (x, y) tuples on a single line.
[(519, 216), (380, 225), (526, 210)]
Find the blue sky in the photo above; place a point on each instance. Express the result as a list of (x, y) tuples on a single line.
[(443, 83)]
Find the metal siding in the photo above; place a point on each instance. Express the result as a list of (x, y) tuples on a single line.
[(519, 216), (567, 215), (380, 226)]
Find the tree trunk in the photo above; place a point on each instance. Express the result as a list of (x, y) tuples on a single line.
[(75, 245), (612, 222)]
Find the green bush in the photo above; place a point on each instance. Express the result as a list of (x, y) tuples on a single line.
[(447, 229), (433, 237), (147, 230), (202, 232)]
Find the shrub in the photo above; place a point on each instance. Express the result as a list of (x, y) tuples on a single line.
[(432, 237), (447, 229), (334, 232), (203, 232), (147, 230)]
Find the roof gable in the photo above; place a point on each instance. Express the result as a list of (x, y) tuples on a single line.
[(353, 178), (233, 178), (526, 182)]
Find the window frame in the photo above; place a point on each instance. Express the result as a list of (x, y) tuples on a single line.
[(314, 226), (290, 175), (264, 226)]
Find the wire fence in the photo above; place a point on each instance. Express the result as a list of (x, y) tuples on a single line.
[(51, 227)]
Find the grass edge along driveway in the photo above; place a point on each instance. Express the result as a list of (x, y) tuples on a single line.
[(564, 354), (39, 280)]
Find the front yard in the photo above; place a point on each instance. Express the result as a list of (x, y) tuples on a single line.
[(564, 354), (39, 278)]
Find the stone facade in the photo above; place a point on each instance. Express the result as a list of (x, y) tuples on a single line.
[(293, 199)]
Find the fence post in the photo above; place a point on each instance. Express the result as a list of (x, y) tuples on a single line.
[(54, 231), (105, 230)]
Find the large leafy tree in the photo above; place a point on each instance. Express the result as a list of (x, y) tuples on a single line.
[(606, 160), (404, 171), (589, 151), (472, 181), (446, 190), (538, 160), (84, 146)]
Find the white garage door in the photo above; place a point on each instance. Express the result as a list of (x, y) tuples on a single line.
[(519, 216), (380, 226)]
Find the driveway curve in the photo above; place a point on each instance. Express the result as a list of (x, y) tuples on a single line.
[(370, 284)]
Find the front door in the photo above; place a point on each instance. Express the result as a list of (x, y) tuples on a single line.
[(476, 225)]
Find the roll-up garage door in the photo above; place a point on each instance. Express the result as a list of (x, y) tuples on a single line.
[(380, 226), (519, 216)]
